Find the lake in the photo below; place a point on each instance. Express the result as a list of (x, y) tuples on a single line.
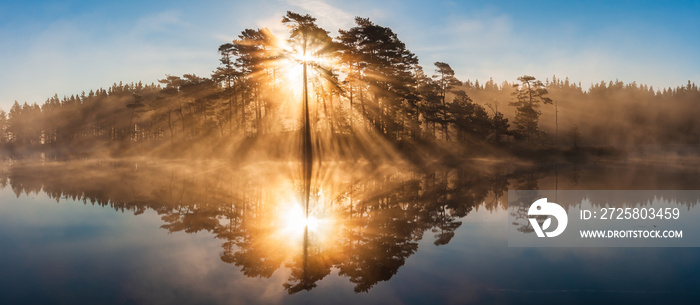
[(206, 232)]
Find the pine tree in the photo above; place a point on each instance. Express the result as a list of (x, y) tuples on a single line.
[(529, 94)]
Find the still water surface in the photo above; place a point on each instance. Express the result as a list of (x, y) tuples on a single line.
[(215, 233)]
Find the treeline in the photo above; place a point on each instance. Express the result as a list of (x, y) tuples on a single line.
[(363, 86), (610, 113), (625, 115)]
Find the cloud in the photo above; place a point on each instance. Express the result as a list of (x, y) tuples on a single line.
[(482, 45), (476, 46), (274, 24), (158, 22), (328, 15)]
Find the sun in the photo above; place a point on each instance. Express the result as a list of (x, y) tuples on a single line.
[(292, 64)]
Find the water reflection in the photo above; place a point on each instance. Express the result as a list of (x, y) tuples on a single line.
[(368, 223), (364, 221)]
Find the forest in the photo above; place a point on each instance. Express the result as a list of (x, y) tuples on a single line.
[(368, 96)]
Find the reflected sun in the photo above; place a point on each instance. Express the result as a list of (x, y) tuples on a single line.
[(303, 58), (295, 222)]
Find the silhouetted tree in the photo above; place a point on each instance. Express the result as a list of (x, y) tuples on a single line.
[(386, 68), (529, 94), (446, 79), (136, 104)]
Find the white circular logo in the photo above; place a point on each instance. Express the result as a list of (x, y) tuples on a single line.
[(543, 208)]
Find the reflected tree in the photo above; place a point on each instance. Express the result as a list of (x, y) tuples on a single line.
[(373, 225)]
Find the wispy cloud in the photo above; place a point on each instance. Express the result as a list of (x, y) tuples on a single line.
[(484, 45), (159, 22), (326, 13)]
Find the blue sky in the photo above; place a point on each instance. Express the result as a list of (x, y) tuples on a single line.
[(49, 47)]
